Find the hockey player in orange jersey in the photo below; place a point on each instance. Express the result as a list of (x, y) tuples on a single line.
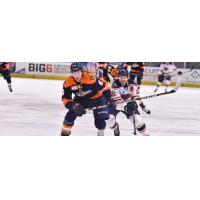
[(137, 70), (89, 92)]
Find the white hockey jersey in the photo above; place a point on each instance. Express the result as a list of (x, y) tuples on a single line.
[(167, 69), (121, 94)]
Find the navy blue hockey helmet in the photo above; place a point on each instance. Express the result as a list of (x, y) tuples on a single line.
[(3, 63), (119, 67), (75, 67), (123, 72)]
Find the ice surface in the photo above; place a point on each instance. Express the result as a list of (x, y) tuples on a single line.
[(35, 108)]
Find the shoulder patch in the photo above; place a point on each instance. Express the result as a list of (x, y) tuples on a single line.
[(88, 78), (92, 77), (69, 82)]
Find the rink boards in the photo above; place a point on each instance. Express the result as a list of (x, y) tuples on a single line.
[(60, 70), (145, 81)]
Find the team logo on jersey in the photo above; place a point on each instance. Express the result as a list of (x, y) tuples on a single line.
[(82, 93), (122, 90), (92, 78), (75, 87), (100, 82)]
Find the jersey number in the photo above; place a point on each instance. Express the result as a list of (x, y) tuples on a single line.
[(100, 82)]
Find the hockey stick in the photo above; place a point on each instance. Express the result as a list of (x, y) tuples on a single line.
[(178, 84), (138, 98), (135, 131), (177, 73)]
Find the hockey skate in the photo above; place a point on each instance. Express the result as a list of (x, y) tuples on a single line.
[(166, 89), (100, 132), (116, 130), (66, 131), (156, 90), (10, 87)]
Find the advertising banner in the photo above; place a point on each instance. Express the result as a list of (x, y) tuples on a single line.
[(63, 69), (43, 68), (151, 74)]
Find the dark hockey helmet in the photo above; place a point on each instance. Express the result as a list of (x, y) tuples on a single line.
[(119, 67), (75, 67), (3, 63), (110, 67), (125, 65), (123, 72)]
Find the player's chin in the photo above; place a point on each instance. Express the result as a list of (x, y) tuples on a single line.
[(78, 79)]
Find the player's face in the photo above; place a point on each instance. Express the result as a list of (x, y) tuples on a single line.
[(123, 79), (77, 76), (126, 65), (101, 65), (105, 65)]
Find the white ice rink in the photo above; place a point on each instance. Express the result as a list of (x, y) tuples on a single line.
[(35, 108)]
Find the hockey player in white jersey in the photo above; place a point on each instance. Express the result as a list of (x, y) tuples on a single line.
[(166, 72), (123, 93)]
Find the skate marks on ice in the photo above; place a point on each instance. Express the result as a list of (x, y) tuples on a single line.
[(175, 114), (35, 108), (172, 115), (32, 109)]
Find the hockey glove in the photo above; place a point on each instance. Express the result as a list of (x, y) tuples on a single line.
[(78, 109), (111, 102), (131, 107)]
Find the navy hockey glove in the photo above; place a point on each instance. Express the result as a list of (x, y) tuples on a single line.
[(111, 102), (131, 107), (78, 109)]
